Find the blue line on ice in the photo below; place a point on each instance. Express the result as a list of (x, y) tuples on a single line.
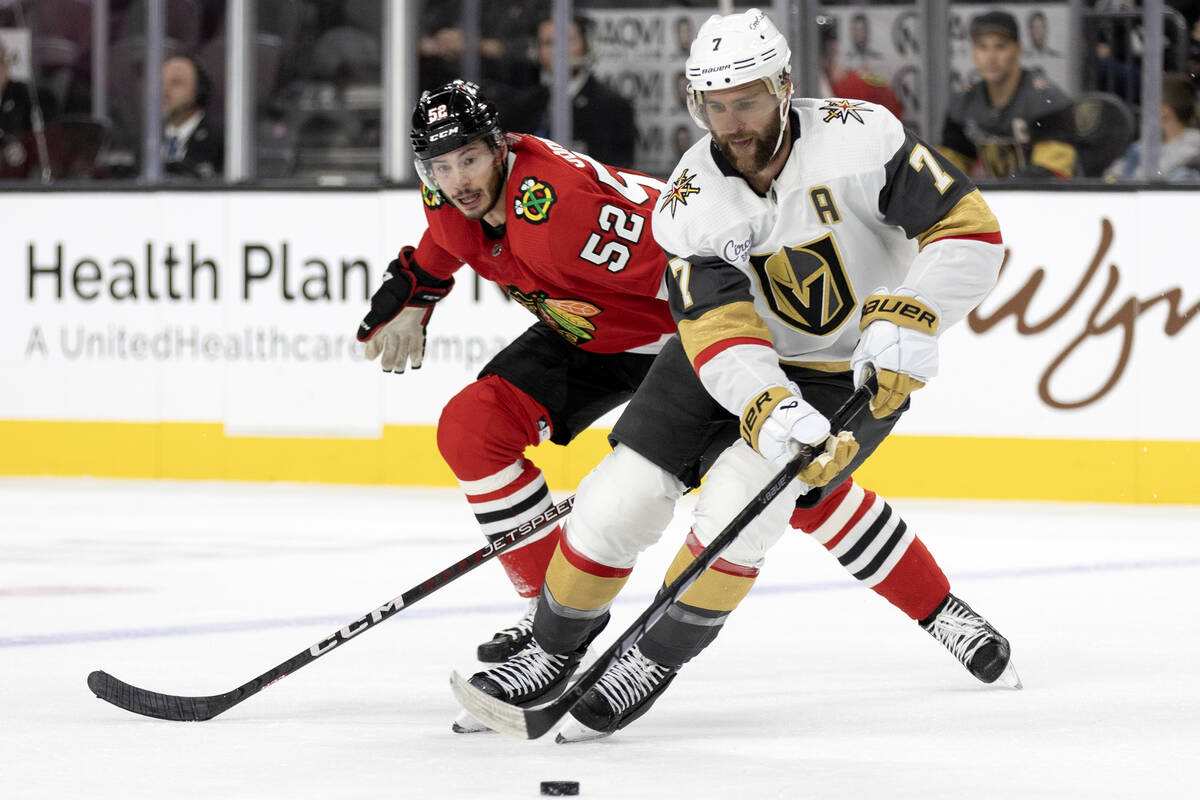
[(45, 639)]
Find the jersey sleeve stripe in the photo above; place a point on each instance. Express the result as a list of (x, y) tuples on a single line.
[(736, 320), (990, 238), (970, 218), (712, 351)]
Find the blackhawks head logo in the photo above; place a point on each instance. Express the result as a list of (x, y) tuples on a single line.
[(568, 318), (678, 194), (534, 199), (431, 197)]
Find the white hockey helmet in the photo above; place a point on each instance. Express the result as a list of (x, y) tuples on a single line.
[(735, 50)]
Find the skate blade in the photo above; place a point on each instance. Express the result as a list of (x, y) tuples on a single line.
[(465, 722), (575, 731), (498, 715), (1010, 678)]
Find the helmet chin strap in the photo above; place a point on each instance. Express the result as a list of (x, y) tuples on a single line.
[(784, 105)]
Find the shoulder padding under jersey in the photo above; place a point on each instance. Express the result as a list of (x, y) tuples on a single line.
[(704, 211)]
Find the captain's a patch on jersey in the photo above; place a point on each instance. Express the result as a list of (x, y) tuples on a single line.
[(431, 197), (679, 192), (534, 199), (844, 110)]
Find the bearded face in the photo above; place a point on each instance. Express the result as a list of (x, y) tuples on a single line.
[(750, 150), (745, 124)]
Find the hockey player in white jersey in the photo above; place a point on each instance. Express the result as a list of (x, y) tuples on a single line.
[(812, 244)]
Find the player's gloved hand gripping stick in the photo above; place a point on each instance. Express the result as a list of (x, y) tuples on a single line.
[(899, 344)]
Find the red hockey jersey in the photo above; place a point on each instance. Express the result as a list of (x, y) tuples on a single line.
[(576, 251)]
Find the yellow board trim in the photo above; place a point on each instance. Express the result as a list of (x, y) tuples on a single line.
[(1072, 470), (1082, 470)]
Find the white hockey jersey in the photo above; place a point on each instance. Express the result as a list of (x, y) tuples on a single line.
[(861, 205)]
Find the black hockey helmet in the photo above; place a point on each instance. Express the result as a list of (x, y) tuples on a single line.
[(451, 116)]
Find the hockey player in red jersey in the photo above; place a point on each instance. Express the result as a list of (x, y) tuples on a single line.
[(838, 80), (586, 267), (814, 244)]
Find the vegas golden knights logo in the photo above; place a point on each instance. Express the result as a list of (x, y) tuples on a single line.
[(807, 286)]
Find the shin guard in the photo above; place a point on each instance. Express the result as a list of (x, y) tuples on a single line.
[(575, 599), (482, 435), (693, 622), (875, 546)]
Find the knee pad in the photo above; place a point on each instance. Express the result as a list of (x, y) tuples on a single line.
[(487, 426), (735, 478), (622, 507)]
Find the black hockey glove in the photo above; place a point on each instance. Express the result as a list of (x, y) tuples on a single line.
[(400, 310)]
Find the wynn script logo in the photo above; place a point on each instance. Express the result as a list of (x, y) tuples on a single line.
[(1109, 313)]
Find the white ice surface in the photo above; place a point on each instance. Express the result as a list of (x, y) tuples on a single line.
[(817, 688)]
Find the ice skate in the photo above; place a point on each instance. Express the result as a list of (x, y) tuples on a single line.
[(626, 691), (509, 641), (974, 642), (530, 677)]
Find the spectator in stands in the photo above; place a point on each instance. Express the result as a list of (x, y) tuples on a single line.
[(506, 37), (192, 146), (1115, 72), (685, 32), (838, 80), (1179, 158), (1014, 122), (16, 121), (603, 124)]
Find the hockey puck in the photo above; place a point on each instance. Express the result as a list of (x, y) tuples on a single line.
[(560, 788)]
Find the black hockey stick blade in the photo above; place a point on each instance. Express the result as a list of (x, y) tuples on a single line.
[(184, 708), (533, 723), (158, 705)]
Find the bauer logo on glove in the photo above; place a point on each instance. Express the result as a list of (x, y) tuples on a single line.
[(898, 345), (903, 311), (778, 421)]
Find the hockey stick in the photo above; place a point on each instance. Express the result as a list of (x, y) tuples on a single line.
[(189, 709), (532, 723)]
